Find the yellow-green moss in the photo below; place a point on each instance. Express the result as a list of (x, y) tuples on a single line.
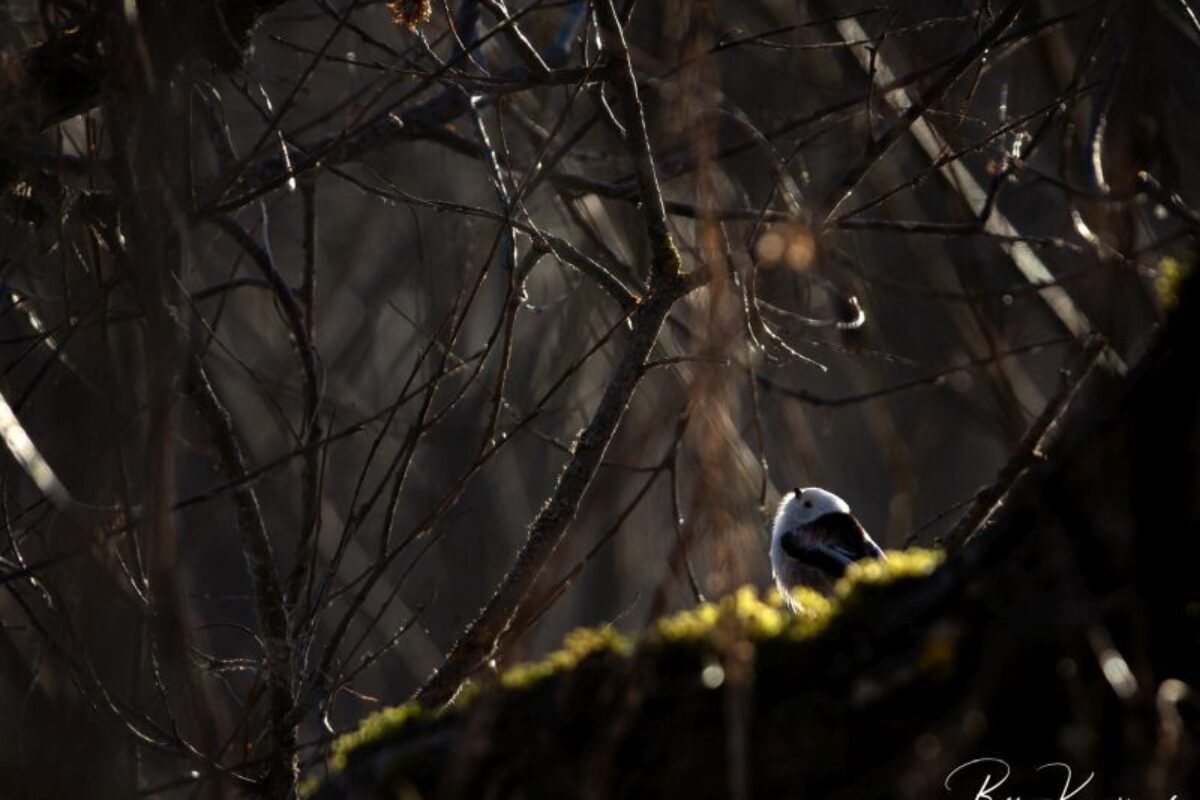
[(1168, 280), (915, 562), (744, 614), (308, 787), (578, 645), (375, 727), (765, 618)]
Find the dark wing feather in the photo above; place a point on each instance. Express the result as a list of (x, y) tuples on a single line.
[(822, 558), (843, 533)]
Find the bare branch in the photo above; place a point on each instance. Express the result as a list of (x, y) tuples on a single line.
[(264, 577)]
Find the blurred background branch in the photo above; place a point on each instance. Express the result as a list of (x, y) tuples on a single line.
[(498, 319)]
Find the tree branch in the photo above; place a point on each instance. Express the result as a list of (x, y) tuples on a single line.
[(482, 636), (264, 577)]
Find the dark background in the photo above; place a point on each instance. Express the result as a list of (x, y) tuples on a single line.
[(144, 192)]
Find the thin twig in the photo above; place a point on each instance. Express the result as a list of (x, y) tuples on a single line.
[(931, 97), (1029, 451)]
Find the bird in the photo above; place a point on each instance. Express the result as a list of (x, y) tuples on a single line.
[(814, 539)]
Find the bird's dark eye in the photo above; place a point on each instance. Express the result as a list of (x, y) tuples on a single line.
[(808, 503)]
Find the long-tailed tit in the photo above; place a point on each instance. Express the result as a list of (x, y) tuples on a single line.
[(814, 539)]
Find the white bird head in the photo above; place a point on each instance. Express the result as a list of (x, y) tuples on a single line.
[(803, 506), (814, 539)]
